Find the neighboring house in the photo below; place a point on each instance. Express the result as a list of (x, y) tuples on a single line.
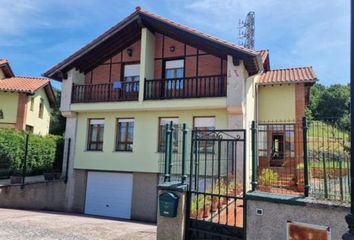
[(25, 102), (123, 87)]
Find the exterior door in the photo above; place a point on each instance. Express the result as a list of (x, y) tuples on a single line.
[(109, 194)]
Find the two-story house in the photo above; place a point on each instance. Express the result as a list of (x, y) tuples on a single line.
[(123, 87), (25, 102)]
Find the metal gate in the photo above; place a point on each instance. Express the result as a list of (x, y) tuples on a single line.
[(215, 203)]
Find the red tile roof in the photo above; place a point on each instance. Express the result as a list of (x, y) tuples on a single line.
[(289, 75), (23, 84), (201, 34)]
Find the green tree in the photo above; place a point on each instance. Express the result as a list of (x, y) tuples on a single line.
[(57, 121)]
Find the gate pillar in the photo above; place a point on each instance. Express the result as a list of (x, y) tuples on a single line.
[(171, 227)]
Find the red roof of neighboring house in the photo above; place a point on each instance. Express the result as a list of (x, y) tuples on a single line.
[(288, 75), (23, 84)]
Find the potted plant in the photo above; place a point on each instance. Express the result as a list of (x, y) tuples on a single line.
[(206, 206), (267, 178)]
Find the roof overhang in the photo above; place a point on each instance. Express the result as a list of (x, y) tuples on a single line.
[(128, 31)]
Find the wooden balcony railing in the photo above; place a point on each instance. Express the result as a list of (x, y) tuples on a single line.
[(105, 92), (191, 87)]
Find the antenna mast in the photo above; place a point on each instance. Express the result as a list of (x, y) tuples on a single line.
[(246, 31)]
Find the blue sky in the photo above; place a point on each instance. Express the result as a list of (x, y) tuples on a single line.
[(36, 34)]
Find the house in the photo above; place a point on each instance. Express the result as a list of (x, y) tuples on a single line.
[(121, 89), (25, 102)]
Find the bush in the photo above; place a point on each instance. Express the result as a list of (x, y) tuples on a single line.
[(43, 152), (268, 177)]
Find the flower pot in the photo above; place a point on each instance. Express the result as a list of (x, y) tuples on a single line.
[(16, 179), (263, 188), (214, 204), (206, 211), (300, 187), (49, 176), (200, 213)]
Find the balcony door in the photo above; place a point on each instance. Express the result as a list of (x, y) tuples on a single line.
[(131, 78), (174, 78)]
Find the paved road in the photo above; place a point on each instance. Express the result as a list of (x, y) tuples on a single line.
[(33, 225)]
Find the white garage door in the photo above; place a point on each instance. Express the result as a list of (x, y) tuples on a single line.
[(109, 194)]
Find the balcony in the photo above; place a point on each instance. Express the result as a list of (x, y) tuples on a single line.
[(105, 92), (192, 87)]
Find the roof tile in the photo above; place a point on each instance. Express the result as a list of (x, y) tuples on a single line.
[(288, 75), (22, 84)]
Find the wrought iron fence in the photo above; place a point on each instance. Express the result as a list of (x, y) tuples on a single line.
[(309, 158), (329, 160)]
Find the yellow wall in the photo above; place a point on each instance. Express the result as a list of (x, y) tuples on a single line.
[(144, 157), (8, 104), (276, 103), (40, 125)]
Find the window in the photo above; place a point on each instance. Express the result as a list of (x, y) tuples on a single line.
[(162, 133), (125, 135), (32, 104), (206, 124), (262, 141), (174, 69), (95, 135), (131, 74), (41, 108)]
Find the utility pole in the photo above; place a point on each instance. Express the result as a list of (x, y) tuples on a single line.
[(350, 217)]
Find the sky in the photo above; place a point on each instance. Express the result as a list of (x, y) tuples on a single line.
[(37, 34)]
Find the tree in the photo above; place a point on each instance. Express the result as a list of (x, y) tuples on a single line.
[(57, 121)]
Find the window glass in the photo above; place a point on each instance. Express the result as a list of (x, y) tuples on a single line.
[(205, 124), (41, 108), (131, 74), (125, 134), (95, 135), (162, 133), (174, 69)]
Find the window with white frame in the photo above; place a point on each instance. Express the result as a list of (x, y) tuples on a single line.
[(131, 76), (95, 135), (206, 125), (174, 73)]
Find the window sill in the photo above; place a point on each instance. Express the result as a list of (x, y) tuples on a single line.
[(93, 150), (123, 151)]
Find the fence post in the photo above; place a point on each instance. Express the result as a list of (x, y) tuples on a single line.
[(184, 138), (325, 181), (170, 149), (67, 160), (306, 171), (25, 161), (254, 156), (166, 153)]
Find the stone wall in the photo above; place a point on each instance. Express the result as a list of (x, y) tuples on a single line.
[(34, 196), (273, 223)]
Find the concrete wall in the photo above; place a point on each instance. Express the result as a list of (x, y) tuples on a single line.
[(36, 196), (144, 201), (40, 125), (8, 105), (276, 103), (272, 225), (144, 157)]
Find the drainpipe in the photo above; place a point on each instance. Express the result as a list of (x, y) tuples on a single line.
[(350, 217)]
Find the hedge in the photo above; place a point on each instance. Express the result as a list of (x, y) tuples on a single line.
[(44, 152)]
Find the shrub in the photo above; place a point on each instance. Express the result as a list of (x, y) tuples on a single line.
[(43, 152), (268, 177)]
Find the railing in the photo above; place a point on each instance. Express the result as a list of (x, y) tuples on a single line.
[(105, 92), (191, 87), (314, 159)]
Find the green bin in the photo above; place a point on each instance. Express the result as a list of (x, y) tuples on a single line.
[(168, 202)]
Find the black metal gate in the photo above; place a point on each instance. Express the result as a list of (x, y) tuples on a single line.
[(215, 204)]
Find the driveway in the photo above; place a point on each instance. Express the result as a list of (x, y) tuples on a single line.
[(33, 225)]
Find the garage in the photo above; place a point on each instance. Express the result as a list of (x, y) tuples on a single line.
[(109, 194)]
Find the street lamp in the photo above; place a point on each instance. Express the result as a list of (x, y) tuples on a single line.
[(350, 217)]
